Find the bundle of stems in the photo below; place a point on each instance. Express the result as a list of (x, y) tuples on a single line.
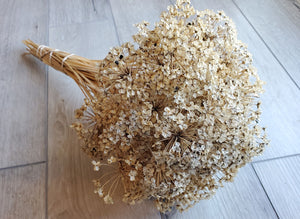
[(81, 70)]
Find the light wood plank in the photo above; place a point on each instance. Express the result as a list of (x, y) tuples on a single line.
[(280, 107), (133, 12), (22, 192), (244, 198), (71, 191), (277, 21), (281, 180), (22, 83), (78, 11)]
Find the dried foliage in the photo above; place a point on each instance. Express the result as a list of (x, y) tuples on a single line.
[(177, 116)]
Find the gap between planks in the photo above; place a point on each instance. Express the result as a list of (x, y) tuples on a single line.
[(275, 158), (264, 42), (114, 22), (23, 165), (264, 190), (47, 117)]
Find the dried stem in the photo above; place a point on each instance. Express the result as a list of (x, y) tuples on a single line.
[(82, 70)]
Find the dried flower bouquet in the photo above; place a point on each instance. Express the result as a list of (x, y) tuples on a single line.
[(177, 115)]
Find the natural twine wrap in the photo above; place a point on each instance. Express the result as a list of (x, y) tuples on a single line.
[(176, 116), (81, 70)]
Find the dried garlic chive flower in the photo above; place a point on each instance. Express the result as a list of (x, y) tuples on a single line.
[(176, 116)]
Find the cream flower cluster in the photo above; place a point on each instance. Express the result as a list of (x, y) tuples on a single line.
[(177, 114)]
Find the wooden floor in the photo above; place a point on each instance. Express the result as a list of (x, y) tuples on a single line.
[(43, 173)]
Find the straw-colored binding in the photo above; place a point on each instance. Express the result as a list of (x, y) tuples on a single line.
[(80, 69)]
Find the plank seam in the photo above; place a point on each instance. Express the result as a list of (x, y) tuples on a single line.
[(264, 42), (114, 21), (265, 191), (94, 7), (23, 165), (47, 118), (275, 158)]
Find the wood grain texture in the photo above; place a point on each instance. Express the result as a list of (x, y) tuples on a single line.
[(280, 108), (277, 21), (244, 198), (86, 27), (22, 83), (22, 192), (78, 11), (70, 187), (281, 180), (134, 12)]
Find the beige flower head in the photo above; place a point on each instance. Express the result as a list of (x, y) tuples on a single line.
[(182, 103), (175, 114)]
